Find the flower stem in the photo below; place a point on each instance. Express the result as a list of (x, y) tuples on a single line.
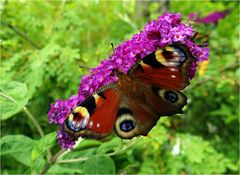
[(20, 33), (53, 160), (109, 154), (31, 117)]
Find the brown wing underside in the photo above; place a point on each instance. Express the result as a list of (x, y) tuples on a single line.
[(146, 109)]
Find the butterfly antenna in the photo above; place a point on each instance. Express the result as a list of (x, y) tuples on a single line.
[(80, 65), (85, 67), (205, 44), (194, 36), (113, 49)]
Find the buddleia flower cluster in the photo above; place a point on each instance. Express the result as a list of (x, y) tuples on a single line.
[(167, 29)]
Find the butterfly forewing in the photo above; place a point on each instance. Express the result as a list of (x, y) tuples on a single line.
[(166, 68), (94, 117)]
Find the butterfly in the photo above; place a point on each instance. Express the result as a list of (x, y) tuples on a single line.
[(135, 102)]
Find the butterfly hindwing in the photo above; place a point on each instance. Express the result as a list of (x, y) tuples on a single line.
[(137, 116)]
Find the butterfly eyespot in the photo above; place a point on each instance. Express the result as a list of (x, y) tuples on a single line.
[(76, 125), (81, 111), (181, 54), (171, 56), (171, 96), (73, 126), (127, 125), (78, 119)]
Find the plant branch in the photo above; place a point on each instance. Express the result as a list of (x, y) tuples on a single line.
[(32, 118), (166, 6), (212, 78), (52, 161), (109, 154), (20, 33), (73, 160), (57, 156), (201, 82)]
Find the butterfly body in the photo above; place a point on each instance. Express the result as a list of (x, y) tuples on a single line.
[(132, 105)]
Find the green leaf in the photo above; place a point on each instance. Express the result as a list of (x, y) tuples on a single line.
[(12, 144), (99, 165), (18, 146), (13, 97), (43, 144), (87, 143), (110, 146), (55, 169), (38, 165)]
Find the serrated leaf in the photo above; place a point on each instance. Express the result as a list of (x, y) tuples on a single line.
[(43, 144), (18, 146), (99, 165), (13, 97)]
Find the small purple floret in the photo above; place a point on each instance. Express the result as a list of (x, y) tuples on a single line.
[(65, 140)]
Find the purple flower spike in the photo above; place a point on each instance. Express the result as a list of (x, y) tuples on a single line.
[(213, 17), (158, 33), (65, 140), (192, 70), (167, 29), (61, 109)]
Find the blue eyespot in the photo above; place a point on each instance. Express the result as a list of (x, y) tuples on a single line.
[(73, 126), (171, 96), (127, 125), (181, 53)]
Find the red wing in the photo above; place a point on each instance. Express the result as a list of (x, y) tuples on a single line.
[(95, 117), (166, 68), (104, 116)]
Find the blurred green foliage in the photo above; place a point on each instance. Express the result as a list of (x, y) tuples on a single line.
[(44, 42)]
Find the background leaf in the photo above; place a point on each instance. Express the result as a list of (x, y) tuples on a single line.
[(99, 165), (14, 96), (18, 146), (43, 145), (110, 146)]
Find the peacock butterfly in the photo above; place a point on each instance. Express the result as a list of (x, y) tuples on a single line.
[(132, 105)]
